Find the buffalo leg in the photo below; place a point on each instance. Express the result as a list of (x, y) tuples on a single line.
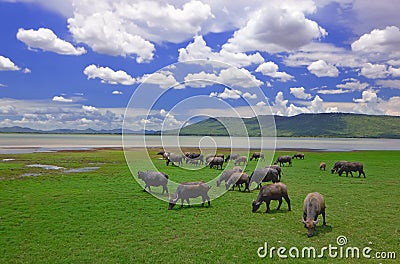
[(323, 216), (208, 199), (280, 203), (181, 202), (188, 202), (267, 203), (288, 202)]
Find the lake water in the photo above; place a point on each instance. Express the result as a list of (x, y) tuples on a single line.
[(26, 143)]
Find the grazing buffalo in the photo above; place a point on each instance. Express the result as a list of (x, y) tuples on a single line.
[(337, 166), (194, 156), (314, 205), (237, 179), (298, 156), (217, 162), (232, 157), (193, 162), (322, 166), (264, 175), (173, 158), (257, 155), (271, 192), (241, 159), (188, 190), (163, 154), (277, 168), (226, 174), (350, 167), (282, 160), (154, 178), (211, 156)]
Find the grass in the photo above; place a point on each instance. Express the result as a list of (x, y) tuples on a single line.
[(105, 217)]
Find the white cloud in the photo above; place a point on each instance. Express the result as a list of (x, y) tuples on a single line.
[(116, 92), (228, 94), (332, 55), (108, 75), (300, 93), (129, 28), (234, 77), (233, 94), (395, 72), (276, 27), (161, 120), (353, 85), (389, 83), (7, 110), (374, 71), (379, 43), (280, 104), (7, 65), (369, 103), (248, 95), (198, 50), (271, 69), (333, 91), (61, 99), (45, 39), (89, 108), (200, 79), (322, 69), (367, 97), (164, 79)]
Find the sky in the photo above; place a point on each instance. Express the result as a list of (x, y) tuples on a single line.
[(161, 64)]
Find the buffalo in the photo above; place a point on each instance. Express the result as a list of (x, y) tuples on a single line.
[(188, 190), (240, 160), (237, 179), (271, 192), (257, 155), (232, 157), (217, 162), (174, 158), (226, 174), (154, 178), (264, 175), (314, 205), (277, 168), (298, 156), (350, 167), (194, 156), (282, 160), (322, 166), (337, 166)]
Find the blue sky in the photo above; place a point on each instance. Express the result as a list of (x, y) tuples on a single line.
[(76, 64)]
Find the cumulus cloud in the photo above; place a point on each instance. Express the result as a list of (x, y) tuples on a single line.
[(353, 85), (200, 79), (164, 79), (7, 65), (108, 75), (116, 92), (389, 83), (394, 72), (46, 40), (300, 93), (322, 69), (161, 120), (61, 99), (235, 77), (129, 28), (379, 43), (233, 94), (276, 28), (374, 71), (198, 50), (271, 69)]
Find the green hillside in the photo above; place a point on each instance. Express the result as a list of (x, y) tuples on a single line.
[(303, 125)]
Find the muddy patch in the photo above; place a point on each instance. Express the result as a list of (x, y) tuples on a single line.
[(46, 167)]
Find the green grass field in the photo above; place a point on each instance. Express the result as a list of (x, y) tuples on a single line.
[(104, 216)]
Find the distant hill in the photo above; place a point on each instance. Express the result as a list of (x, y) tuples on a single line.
[(304, 125), (18, 129)]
